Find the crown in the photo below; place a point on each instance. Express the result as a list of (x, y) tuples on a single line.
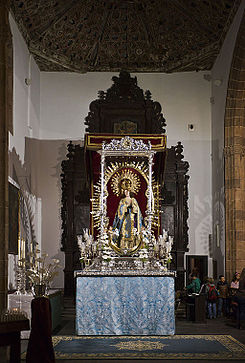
[(125, 179)]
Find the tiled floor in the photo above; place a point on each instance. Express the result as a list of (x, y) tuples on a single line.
[(215, 326)]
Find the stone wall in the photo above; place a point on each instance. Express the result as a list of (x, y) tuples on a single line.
[(235, 159)]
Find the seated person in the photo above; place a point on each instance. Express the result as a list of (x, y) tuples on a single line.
[(194, 286)]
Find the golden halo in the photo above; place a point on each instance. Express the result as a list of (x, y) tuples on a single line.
[(125, 174)]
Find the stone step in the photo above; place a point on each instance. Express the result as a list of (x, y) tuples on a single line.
[(69, 310), (180, 311)]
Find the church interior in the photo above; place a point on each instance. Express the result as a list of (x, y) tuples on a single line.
[(122, 173)]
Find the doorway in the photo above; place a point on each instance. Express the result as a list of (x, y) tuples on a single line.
[(197, 264)]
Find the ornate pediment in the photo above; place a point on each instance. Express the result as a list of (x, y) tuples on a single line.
[(125, 109), (126, 144), (125, 88)]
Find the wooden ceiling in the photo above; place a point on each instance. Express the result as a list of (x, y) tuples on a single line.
[(134, 35)]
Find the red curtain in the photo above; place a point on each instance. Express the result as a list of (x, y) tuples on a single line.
[(93, 143)]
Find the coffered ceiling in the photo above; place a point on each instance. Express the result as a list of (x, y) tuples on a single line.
[(135, 35)]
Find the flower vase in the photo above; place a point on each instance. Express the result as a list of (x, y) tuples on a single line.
[(39, 290)]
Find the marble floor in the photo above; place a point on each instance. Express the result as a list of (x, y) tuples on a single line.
[(216, 326)]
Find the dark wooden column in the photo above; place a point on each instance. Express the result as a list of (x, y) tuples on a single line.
[(74, 211), (175, 208), (182, 214), (68, 220), (5, 114)]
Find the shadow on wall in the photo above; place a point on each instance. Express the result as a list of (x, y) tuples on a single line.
[(209, 213), (56, 282), (62, 151), (43, 159), (20, 174), (203, 221), (24, 221)]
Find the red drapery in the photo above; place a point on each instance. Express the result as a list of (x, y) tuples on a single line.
[(93, 143)]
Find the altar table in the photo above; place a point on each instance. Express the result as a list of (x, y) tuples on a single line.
[(125, 305)]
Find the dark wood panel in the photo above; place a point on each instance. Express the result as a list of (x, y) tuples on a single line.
[(123, 104)]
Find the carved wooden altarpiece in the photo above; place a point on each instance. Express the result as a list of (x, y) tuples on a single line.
[(123, 109)]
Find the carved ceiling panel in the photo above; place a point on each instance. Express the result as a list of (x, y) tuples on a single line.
[(136, 35)]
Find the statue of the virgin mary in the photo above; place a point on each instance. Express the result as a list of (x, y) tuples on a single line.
[(128, 220)]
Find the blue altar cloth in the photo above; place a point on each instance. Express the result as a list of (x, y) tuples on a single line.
[(125, 305)]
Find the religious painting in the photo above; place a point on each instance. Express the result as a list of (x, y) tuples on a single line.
[(125, 127)]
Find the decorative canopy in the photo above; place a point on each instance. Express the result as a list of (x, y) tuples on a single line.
[(94, 142)]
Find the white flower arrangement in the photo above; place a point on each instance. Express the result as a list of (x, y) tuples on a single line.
[(39, 271), (163, 247)]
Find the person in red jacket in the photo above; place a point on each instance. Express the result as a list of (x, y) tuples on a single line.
[(212, 298)]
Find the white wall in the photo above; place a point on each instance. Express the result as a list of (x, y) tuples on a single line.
[(185, 98), (26, 113), (26, 122), (65, 99), (219, 82)]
